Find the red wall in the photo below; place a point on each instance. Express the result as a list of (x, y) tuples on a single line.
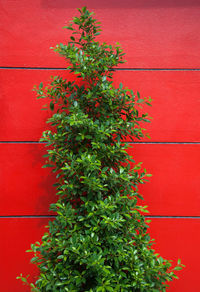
[(162, 42)]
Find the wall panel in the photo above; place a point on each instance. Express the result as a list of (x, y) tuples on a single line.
[(18, 234), (178, 238), (173, 189), (153, 33), (175, 107), (26, 188), (174, 239)]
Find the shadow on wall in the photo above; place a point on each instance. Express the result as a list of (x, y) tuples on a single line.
[(144, 4)]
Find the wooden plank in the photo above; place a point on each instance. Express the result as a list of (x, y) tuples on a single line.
[(154, 34), (174, 187), (174, 239), (175, 107), (26, 188)]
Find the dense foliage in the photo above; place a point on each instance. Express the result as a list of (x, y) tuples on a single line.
[(98, 240)]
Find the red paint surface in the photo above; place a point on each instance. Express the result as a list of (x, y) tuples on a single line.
[(179, 238), (173, 188), (175, 107), (174, 239), (26, 188), (18, 234), (21, 115), (153, 33)]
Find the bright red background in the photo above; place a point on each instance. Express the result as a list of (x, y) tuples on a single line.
[(156, 35)]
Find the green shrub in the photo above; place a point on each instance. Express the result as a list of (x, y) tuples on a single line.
[(98, 240)]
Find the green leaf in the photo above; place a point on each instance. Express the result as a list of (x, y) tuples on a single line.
[(52, 105), (47, 165), (41, 86), (84, 9), (120, 85), (68, 27), (178, 268)]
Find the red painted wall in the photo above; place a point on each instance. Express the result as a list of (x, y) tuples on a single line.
[(162, 42)]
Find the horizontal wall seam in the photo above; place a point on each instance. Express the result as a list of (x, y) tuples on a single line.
[(38, 142), (163, 143), (114, 69), (21, 142), (173, 217), (54, 216), (27, 216)]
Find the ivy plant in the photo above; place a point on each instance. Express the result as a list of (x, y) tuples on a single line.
[(98, 240)]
